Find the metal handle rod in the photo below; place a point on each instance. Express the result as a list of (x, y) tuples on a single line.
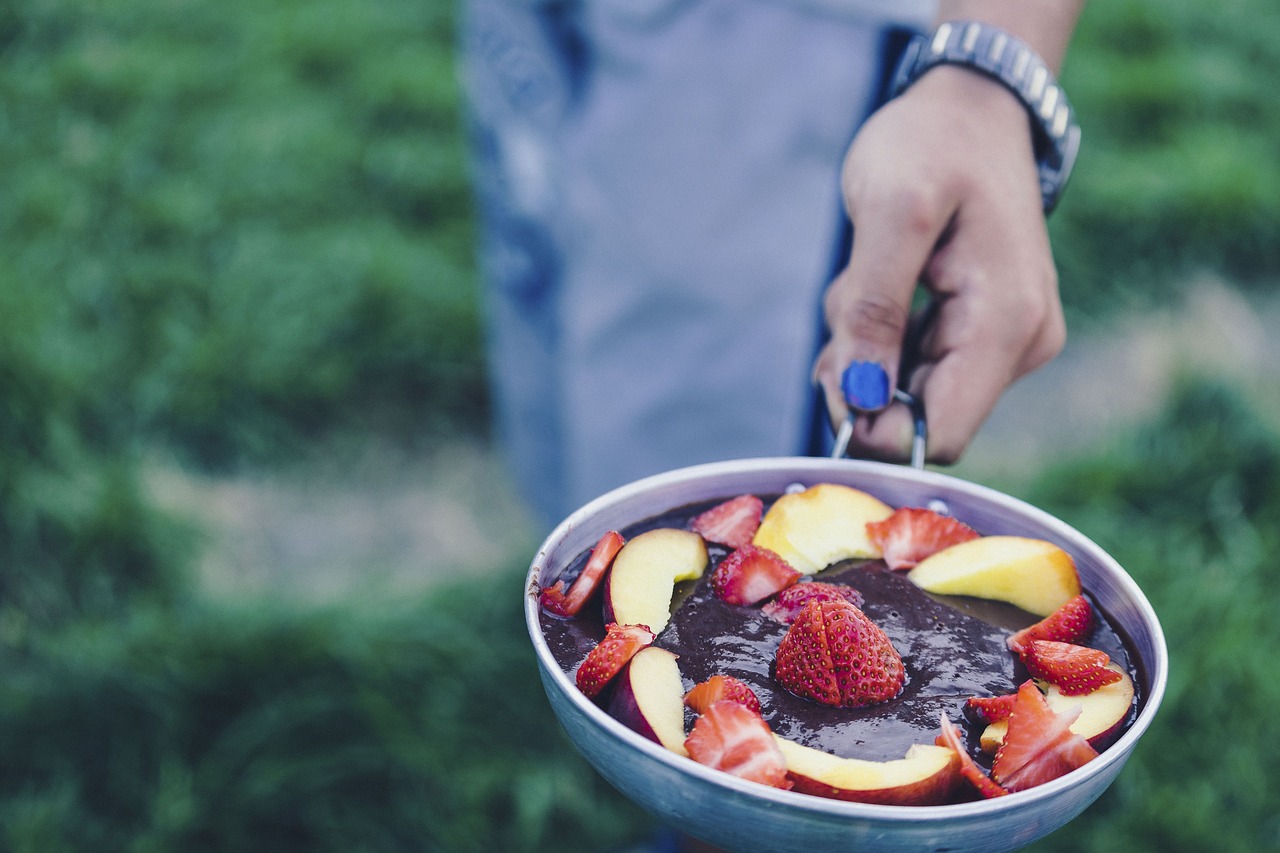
[(919, 439)]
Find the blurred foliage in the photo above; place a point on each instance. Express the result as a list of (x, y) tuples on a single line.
[(231, 224), (1177, 171), (199, 729)]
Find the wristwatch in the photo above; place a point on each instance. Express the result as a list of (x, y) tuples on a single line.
[(1004, 58)]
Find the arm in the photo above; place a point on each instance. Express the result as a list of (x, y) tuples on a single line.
[(942, 188)]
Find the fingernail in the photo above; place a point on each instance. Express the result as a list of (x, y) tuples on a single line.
[(865, 385)]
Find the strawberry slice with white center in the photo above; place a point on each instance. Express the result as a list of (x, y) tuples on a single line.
[(1076, 670), (1039, 745), (969, 768), (992, 709), (731, 737), (1070, 623), (751, 574), (732, 523), (606, 660), (555, 600), (912, 533), (703, 696)]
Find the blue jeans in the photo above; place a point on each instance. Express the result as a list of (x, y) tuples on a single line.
[(659, 198)]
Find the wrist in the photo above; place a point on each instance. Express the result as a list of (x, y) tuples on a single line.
[(985, 51)]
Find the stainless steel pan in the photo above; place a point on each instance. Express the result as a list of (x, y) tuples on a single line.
[(744, 816)]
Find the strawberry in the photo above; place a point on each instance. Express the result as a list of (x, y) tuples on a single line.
[(1068, 624), (751, 574), (788, 604), (1076, 670), (729, 736), (1039, 745), (992, 709), (834, 654), (969, 768), (911, 534), (718, 687), (555, 600), (731, 523), (606, 660)]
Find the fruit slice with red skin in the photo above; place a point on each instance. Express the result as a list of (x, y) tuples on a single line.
[(610, 655), (1033, 574), (1076, 670), (1102, 712), (555, 600), (969, 768), (647, 698), (992, 709), (1070, 623), (703, 696), (835, 655), (822, 525), (639, 587), (786, 606), (912, 534), (927, 775), (729, 736), (751, 574), (731, 523), (1039, 745)]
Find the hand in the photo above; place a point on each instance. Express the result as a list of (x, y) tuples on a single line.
[(942, 189)]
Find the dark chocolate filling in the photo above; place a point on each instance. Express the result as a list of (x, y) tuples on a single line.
[(952, 648)]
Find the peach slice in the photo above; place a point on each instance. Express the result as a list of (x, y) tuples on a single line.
[(927, 775), (823, 524), (649, 698), (639, 587), (1102, 712), (1033, 574)]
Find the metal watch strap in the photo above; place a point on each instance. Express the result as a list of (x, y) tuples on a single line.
[(995, 53)]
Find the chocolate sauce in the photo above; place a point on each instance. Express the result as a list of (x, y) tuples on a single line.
[(952, 647)]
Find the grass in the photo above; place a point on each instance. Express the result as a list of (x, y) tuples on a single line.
[(240, 728), (232, 228)]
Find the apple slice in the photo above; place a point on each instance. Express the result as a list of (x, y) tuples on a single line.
[(928, 775), (1102, 712), (823, 524), (1033, 574), (639, 587), (649, 698)]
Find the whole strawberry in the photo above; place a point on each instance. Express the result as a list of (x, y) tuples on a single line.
[(834, 654)]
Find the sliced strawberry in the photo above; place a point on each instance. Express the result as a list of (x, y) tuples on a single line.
[(1039, 745), (731, 523), (992, 709), (969, 768), (1070, 623), (834, 654), (911, 534), (555, 600), (718, 687), (731, 737), (751, 574), (606, 660), (788, 604), (1076, 670)]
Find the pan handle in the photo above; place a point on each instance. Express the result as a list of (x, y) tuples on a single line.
[(919, 438), (920, 324)]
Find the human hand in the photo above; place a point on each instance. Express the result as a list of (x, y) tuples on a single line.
[(942, 189)]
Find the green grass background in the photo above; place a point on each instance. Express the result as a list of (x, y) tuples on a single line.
[(231, 230)]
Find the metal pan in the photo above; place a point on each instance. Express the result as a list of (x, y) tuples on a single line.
[(744, 816)]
